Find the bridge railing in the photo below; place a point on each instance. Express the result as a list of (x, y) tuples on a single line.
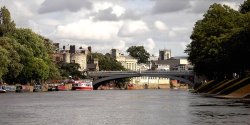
[(175, 72)]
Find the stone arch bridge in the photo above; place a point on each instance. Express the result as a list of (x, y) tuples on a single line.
[(186, 76)]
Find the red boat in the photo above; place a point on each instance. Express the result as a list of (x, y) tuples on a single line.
[(82, 85), (61, 88)]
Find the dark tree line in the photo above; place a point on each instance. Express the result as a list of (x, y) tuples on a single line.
[(221, 42)]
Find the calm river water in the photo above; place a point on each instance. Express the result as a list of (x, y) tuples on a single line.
[(120, 107)]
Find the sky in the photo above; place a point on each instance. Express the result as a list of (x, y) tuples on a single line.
[(114, 24)]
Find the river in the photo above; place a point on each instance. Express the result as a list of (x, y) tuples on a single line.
[(120, 107)]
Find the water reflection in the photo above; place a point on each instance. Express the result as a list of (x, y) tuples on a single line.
[(219, 111), (123, 107)]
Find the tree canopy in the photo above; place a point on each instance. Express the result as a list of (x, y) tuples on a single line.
[(139, 53), (24, 54), (219, 44), (107, 62), (245, 7), (6, 24)]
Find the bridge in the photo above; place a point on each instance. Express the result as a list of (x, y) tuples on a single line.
[(103, 76)]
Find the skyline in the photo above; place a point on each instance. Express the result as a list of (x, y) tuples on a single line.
[(119, 24)]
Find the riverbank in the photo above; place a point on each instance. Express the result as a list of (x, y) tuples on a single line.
[(238, 88)]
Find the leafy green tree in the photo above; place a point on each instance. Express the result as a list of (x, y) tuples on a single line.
[(35, 50), (238, 46), (139, 53), (209, 35), (107, 63), (245, 7), (70, 69), (14, 67), (7, 25), (54, 72), (25, 55), (4, 62)]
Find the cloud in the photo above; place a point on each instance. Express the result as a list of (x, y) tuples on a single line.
[(159, 25), (59, 5), (87, 29), (106, 11), (106, 15), (231, 4), (106, 24), (203, 5), (120, 45), (164, 6), (149, 45), (199, 7), (133, 28), (133, 14)]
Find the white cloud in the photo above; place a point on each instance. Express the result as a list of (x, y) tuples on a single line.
[(24, 11), (106, 24), (87, 29), (118, 10), (106, 11), (171, 33), (58, 5), (120, 45), (233, 5), (149, 45), (164, 6), (34, 26), (160, 25), (177, 31), (133, 28)]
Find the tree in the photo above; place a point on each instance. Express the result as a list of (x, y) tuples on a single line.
[(7, 25), (4, 62), (15, 66), (139, 53), (24, 54), (207, 51), (245, 7), (238, 46), (107, 63), (70, 69)]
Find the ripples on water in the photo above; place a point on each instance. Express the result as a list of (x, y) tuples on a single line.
[(120, 107)]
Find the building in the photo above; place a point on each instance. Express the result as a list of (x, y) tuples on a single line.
[(164, 54), (127, 62), (175, 63), (93, 64), (151, 82), (71, 55)]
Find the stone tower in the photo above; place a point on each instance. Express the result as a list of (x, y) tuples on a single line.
[(164, 54)]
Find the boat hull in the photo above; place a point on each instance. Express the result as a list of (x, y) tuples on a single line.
[(2, 91), (82, 88), (82, 85)]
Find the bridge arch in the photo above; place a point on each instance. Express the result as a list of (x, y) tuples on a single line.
[(99, 82)]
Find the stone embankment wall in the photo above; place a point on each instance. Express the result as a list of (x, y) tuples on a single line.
[(233, 88)]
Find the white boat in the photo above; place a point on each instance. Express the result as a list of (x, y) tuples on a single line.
[(82, 85), (2, 89)]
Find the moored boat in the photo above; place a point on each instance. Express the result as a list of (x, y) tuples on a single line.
[(61, 88), (82, 85), (2, 89)]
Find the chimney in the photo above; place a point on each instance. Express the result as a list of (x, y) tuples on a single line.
[(89, 49), (72, 49)]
